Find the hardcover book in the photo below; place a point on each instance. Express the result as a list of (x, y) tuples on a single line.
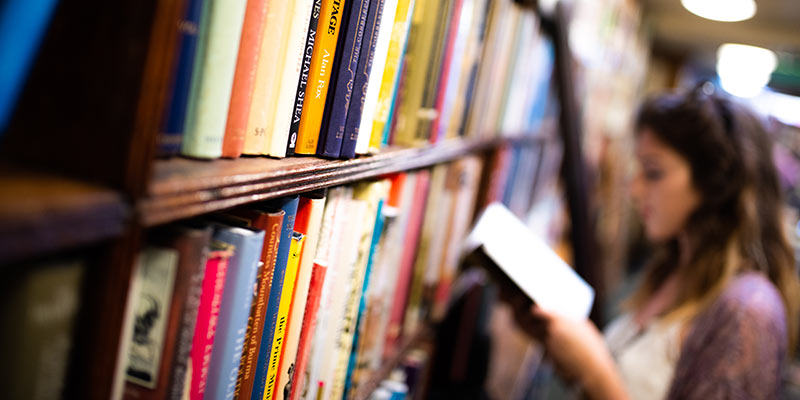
[(289, 207), (270, 223), (290, 74), (234, 309), (207, 316), (376, 75), (283, 313), (391, 73), (244, 79), (325, 48), (300, 385), (267, 77), (368, 46), (309, 221), (190, 245), (302, 84), (175, 112), (343, 78), (212, 80)]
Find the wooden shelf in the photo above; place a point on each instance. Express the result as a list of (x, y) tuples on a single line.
[(42, 213), (183, 188), (374, 380)]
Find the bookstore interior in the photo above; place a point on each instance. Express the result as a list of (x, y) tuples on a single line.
[(345, 199)]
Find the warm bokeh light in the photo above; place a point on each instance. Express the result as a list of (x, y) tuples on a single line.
[(744, 70), (722, 10)]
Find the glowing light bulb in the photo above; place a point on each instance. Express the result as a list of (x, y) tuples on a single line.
[(744, 70), (721, 10)]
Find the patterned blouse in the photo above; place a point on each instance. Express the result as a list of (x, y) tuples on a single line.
[(737, 348)]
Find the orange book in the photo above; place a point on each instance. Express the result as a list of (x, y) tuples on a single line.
[(245, 77), (319, 75)]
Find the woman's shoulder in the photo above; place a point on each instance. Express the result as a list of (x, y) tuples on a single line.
[(750, 295)]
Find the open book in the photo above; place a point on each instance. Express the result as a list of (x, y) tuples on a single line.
[(530, 264)]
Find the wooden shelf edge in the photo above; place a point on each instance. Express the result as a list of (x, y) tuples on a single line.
[(375, 379), (42, 214), (184, 188)]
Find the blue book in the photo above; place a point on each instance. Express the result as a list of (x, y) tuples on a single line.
[(342, 79), (175, 111), (289, 206), (234, 311), (362, 304), (22, 26), (368, 44)]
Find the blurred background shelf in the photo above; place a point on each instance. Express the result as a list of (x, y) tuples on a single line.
[(41, 214)]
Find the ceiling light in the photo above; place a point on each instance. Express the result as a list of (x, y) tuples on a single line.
[(744, 70), (722, 10)]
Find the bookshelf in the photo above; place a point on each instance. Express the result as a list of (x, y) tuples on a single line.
[(104, 189)]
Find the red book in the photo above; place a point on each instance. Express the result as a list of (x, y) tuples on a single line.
[(244, 78), (207, 316), (309, 323), (271, 223), (417, 212), (445, 75)]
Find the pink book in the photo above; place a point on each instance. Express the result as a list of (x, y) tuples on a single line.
[(417, 212), (207, 316), (307, 331), (446, 65)]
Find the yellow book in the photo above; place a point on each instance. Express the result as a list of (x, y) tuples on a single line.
[(283, 313), (402, 21), (272, 46), (319, 76)]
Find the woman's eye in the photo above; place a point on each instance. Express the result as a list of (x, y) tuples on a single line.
[(653, 174)]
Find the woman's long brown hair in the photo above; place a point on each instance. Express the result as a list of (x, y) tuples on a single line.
[(738, 225)]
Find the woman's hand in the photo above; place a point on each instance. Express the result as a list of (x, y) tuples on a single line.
[(580, 353)]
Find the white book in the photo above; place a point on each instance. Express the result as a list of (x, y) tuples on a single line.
[(289, 76), (530, 263), (376, 76)]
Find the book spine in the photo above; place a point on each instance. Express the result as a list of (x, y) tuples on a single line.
[(207, 315), (234, 311), (156, 271), (407, 262), (362, 302), (391, 73), (347, 69), (289, 207), (212, 82), (292, 66), (307, 330), (447, 66), (321, 64), (258, 310), (196, 258), (266, 81), (302, 84), (244, 78), (283, 313), (175, 113), (309, 221), (369, 43)]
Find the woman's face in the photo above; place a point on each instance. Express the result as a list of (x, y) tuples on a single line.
[(662, 188)]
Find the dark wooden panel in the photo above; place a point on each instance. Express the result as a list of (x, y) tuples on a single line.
[(183, 188), (40, 214)]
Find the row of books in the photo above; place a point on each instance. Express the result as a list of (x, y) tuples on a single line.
[(337, 78), (299, 297)]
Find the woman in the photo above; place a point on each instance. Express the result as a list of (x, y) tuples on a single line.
[(716, 315)]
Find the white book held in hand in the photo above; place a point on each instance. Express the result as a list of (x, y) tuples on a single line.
[(530, 263)]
